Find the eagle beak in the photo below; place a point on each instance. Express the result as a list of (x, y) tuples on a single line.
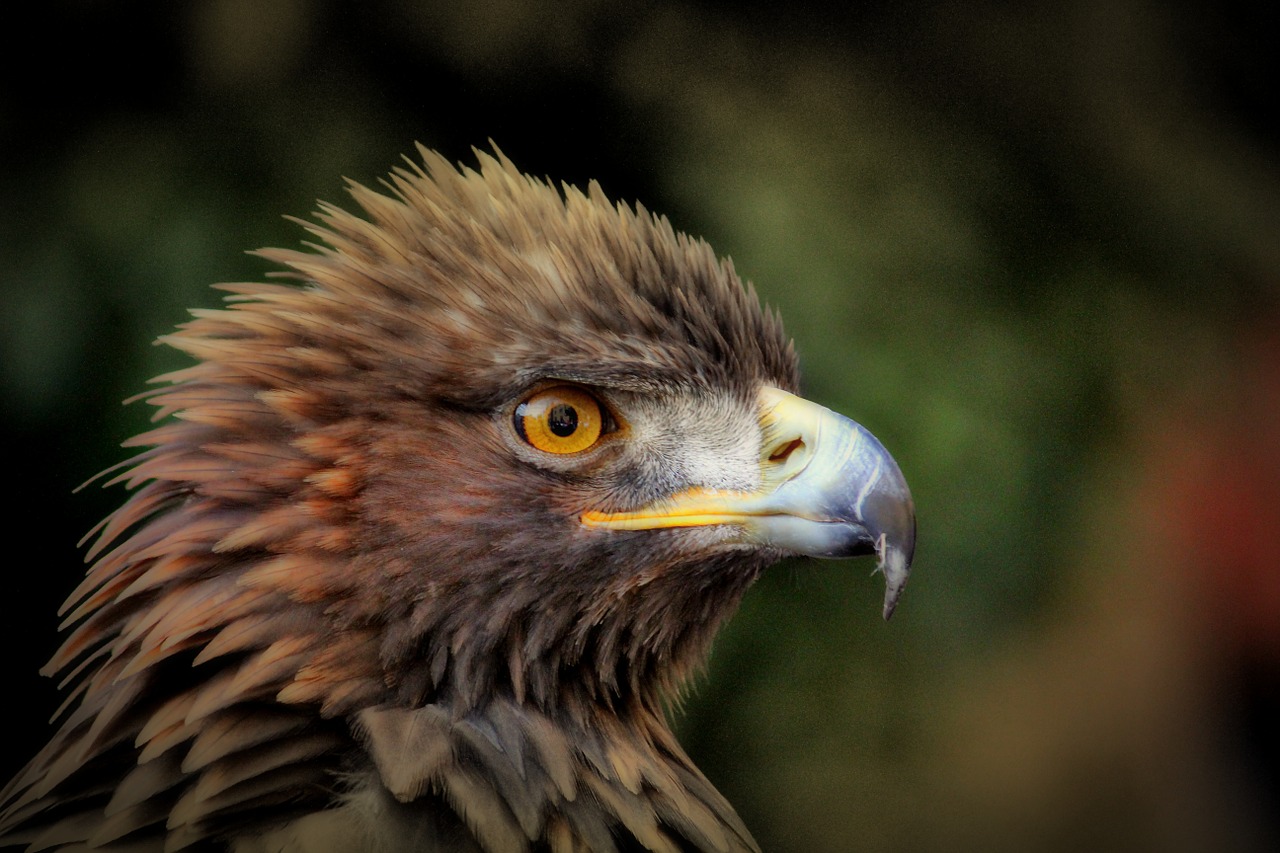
[(828, 489)]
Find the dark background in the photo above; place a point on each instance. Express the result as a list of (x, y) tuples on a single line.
[(1034, 247)]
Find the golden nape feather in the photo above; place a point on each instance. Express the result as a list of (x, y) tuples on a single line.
[(431, 531)]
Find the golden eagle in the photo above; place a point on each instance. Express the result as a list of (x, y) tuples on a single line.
[(430, 531)]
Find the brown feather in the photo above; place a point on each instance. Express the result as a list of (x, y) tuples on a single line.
[(337, 586)]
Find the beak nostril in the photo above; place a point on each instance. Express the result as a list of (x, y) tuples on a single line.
[(784, 450)]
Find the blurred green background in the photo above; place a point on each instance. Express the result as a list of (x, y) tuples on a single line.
[(1034, 247)]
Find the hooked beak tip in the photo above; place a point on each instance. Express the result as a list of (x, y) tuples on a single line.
[(887, 515), (895, 564)]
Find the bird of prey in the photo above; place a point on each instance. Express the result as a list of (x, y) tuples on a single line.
[(431, 532)]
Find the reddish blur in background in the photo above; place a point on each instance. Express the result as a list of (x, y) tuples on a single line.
[(1034, 247)]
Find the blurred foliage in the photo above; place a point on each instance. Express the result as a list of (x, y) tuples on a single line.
[(1032, 247)]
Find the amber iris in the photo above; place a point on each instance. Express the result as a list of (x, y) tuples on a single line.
[(562, 419)]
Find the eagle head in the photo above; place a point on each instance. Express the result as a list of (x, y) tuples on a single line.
[(433, 527)]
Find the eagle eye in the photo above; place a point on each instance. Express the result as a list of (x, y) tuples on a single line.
[(561, 419)]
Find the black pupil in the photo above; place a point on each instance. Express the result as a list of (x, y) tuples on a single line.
[(563, 420)]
